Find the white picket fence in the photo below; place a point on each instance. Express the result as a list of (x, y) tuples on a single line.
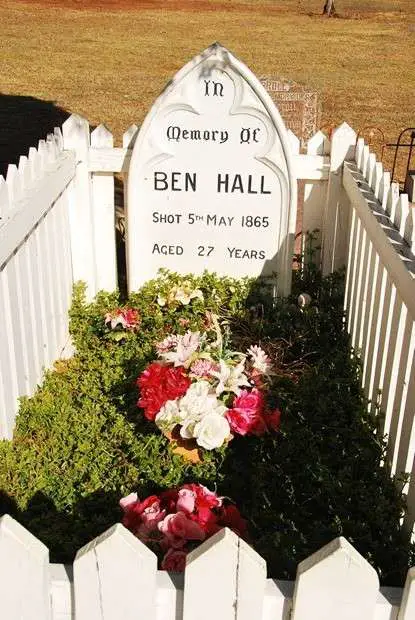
[(115, 577), (57, 226)]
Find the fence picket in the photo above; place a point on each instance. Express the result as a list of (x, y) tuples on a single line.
[(377, 177), (335, 582), (403, 209), (384, 187), (371, 169), (239, 585), (365, 162), (407, 608), (4, 199), (76, 137), (12, 182), (24, 173), (34, 164), (109, 572), (24, 573), (359, 152), (103, 217), (392, 200), (337, 207)]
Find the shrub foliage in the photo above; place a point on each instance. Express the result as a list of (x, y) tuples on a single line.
[(80, 442)]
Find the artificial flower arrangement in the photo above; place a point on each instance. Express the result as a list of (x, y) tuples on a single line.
[(121, 321), (201, 391), (178, 520)]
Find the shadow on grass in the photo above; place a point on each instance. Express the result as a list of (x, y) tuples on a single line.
[(58, 529), (25, 120)]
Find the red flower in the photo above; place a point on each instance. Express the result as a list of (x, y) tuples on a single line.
[(158, 384), (273, 419), (231, 517), (245, 417), (174, 561)]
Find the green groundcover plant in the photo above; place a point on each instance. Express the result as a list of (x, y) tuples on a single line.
[(81, 443)]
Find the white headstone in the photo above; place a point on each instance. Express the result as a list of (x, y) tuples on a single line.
[(211, 183)]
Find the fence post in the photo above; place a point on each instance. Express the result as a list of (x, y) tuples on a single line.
[(76, 137), (336, 211), (335, 582), (24, 573), (232, 571), (114, 578), (103, 217)]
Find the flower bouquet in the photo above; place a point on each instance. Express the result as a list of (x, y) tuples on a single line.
[(202, 393), (176, 521)]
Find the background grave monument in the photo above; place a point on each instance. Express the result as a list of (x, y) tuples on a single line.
[(298, 105), (211, 183)]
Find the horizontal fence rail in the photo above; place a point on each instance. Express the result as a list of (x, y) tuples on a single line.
[(380, 303), (115, 577)]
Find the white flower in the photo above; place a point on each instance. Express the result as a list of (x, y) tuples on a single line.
[(168, 416), (212, 431), (198, 402), (186, 346), (231, 378), (161, 300), (260, 359), (184, 294)]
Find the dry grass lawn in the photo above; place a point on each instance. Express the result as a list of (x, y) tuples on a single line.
[(109, 59)]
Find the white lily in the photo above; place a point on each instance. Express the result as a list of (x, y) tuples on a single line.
[(231, 378)]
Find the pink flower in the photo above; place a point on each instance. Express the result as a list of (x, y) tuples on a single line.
[(178, 529), (168, 344), (141, 517), (129, 500), (174, 561), (203, 368), (245, 417), (186, 501)]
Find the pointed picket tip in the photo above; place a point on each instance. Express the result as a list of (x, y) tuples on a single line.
[(59, 137), (294, 142), (360, 144), (319, 144), (117, 532), (343, 130), (76, 132), (242, 577), (108, 574), (335, 580), (4, 197), (102, 137), (11, 173), (19, 535), (24, 575), (130, 136), (343, 146)]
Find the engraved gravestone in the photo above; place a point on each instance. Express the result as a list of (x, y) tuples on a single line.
[(298, 105), (211, 183)]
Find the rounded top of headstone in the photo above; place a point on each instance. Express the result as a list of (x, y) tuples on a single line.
[(211, 181)]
